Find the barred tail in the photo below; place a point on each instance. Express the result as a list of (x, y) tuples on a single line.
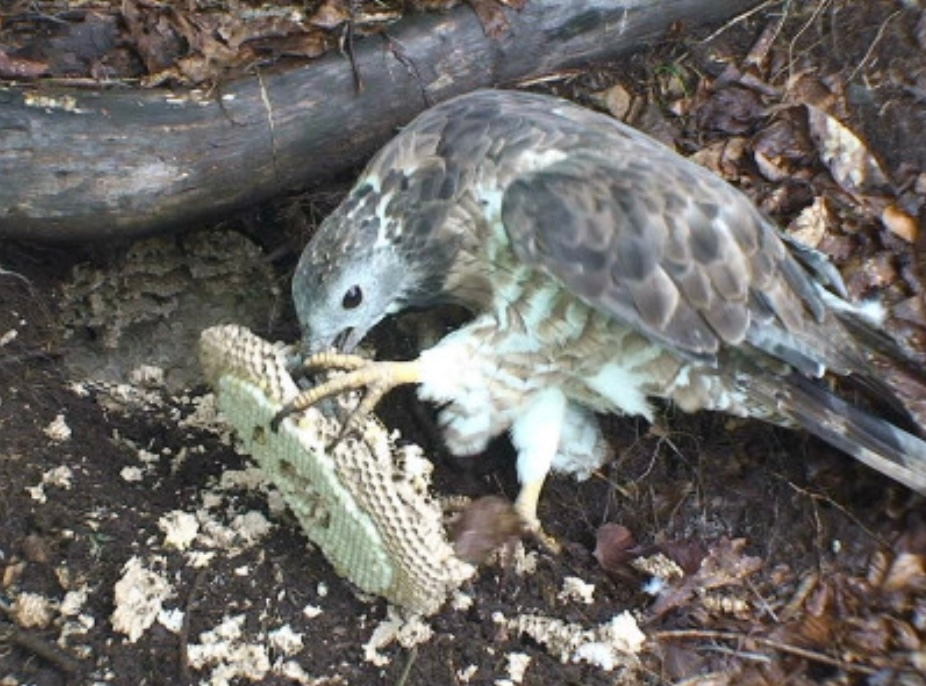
[(876, 442)]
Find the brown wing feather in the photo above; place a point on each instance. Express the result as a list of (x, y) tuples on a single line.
[(675, 252), (632, 228)]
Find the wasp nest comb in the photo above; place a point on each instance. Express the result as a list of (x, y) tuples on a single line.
[(364, 502)]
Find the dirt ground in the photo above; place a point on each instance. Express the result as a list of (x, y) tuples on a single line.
[(746, 554)]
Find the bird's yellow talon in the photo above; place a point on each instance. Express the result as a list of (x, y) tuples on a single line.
[(374, 378)]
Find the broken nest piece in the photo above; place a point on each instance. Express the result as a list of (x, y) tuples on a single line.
[(365, 502)]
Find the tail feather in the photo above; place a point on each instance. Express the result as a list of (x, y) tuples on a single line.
[(876, 442)]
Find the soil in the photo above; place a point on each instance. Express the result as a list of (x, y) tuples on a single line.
[(794, 563)]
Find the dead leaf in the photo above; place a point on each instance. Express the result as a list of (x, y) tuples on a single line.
[(785, 141), (850, 162), (687, 554), (680, 661), (725, 565), (157, 35), (331, 14), (900, 223), (806, 88), (617, 100), (309, 45), (769, 169), (723, 157), (811, 225), (20, 68), (730, 110), (614, 547), (484, 526), (906, 573), (492, 16)]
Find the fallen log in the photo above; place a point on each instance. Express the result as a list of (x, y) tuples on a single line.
[(88, 164)]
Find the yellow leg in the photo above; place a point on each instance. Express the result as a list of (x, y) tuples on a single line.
[(377, 378), (526, 506)]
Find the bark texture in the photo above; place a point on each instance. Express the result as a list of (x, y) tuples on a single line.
[(81, 164)]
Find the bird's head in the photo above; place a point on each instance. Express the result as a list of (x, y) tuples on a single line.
[(360, 266)]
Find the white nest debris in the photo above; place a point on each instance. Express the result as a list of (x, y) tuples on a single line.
[(406, 631), (180, 529), (285, 641), (32, 610), (517, 666), (610, 645), (224, 651), (139, 597), (147, 375), (58, 429), (575, 590), (59, 477)]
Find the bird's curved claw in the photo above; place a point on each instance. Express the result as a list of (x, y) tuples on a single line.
[(548, 542), (376, 378), (526, 506)]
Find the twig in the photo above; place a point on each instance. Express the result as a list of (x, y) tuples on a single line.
[(736, 20), (184, 636), (7, 272), (549, 77), (829, 501), (811, 655), (37, 646), (800, 32), (874, 43), (760, 49), (407, 670), (265, 98)]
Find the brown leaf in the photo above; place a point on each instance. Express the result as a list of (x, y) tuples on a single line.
[(494, 22), (616, 99), (850, 162), (785, 141), (769, 168), (308, 45), (20, 68), (331, 14), (812, 224), (730, 110), (725, 565), (900, 223), (871, 635), (156, 33), (680, 661), (485, 525), (687, 554), (906, 573), (723, 157), (814, 630), (806, 88), (614, 547)]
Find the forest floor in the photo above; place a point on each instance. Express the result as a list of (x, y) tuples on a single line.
[(793, 564)]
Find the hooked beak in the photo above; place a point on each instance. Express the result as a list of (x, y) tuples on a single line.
[(344, 341)]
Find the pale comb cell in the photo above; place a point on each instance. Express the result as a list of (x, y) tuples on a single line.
[(362, 504)]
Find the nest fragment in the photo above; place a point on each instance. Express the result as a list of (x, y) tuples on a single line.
[(365, 503)]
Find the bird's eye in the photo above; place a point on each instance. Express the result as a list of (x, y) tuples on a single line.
[(352, 298)]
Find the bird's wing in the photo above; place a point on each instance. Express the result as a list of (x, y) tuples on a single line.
[(674, 251)]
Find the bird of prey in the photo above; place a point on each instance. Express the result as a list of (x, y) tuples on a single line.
[(602, 269)]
